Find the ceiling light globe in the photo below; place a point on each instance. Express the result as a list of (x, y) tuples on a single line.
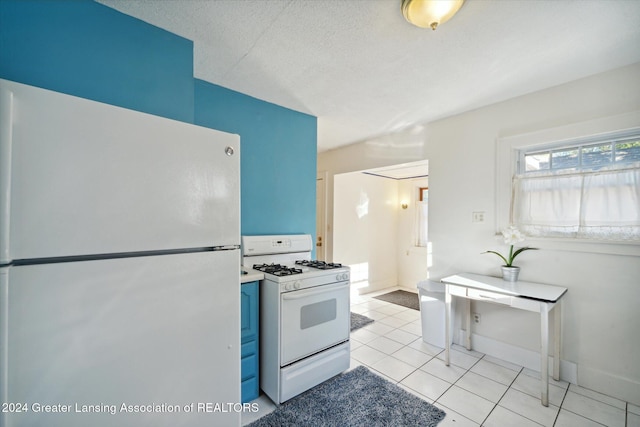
[(429, 13)]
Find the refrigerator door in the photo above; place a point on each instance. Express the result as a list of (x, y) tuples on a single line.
[(159, 332), (78, 177)]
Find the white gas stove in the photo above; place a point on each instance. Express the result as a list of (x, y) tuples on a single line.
[(287, 260), (304, 314), (303, 274)]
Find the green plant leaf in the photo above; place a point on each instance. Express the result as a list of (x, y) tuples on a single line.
[(526, 248), (494, 252)]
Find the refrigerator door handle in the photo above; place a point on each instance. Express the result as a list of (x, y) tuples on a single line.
[(226, 248)]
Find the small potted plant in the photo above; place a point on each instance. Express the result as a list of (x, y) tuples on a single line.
[(511, 236)]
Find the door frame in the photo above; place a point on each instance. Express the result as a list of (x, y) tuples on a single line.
[(321, 216)]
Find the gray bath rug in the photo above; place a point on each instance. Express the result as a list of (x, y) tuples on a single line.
[(358, 321), (355, 398), (403, 298)]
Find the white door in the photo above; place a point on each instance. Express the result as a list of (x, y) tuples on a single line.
[(139, 331), (313, 319), (78, 177)]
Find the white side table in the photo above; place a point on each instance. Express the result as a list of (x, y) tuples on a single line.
[(528, 296)]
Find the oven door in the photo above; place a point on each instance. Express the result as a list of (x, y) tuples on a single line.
[(312, 320)]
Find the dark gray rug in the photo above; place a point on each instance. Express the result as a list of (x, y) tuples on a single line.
[(358, 321), (403, 298), (355, 398)]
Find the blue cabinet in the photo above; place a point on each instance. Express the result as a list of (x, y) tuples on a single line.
[(250, 302)]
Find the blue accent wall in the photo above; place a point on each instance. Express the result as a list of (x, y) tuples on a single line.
[(86, 49), (278, 158)]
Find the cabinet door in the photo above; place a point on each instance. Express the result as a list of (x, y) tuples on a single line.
[(249, 296), (249, 319)]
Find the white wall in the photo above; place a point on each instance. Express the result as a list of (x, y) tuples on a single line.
[(365, 231), (601, 317)]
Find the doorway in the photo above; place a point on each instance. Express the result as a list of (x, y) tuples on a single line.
[(380, 225)]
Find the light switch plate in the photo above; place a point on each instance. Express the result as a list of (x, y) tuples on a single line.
[(477, 217)]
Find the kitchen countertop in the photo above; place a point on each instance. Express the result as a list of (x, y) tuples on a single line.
[(251, 276)]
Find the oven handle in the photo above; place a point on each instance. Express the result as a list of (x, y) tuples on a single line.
[(313, 291)]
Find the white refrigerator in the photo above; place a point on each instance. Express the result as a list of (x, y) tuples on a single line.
[(119, 266)]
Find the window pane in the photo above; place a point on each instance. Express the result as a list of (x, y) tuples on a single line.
[(597, 156), (628, 152), (536, 162), (597, 196), (565, 159)]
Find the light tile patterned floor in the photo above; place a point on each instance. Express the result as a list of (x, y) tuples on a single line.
[(476, 389)]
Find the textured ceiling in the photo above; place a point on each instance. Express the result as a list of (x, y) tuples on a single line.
[(364, 71)]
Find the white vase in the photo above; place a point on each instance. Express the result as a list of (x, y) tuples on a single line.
[(510, 274)]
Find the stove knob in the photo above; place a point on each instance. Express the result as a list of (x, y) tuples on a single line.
[(297, 285), (288, 287)]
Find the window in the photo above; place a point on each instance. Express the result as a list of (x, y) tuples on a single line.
[(584, 189), (423, 194), (617, 153)]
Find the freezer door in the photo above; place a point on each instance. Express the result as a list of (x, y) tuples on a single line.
[(79, 177), (159, 332)]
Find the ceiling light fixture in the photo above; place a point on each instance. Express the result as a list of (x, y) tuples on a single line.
[(429, 13)]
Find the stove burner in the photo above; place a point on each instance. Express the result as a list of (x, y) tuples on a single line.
[(320, 265), (277, 269)]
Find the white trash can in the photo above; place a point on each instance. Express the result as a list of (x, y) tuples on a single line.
[(432, 312)]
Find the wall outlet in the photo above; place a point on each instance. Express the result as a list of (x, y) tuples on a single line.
[(477, 217), (476, 317)]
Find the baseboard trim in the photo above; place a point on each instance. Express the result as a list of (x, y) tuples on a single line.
[(622, 388), (520, 356)]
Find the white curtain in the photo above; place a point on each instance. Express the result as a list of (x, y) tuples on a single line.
[(422, 223), (601, 205)]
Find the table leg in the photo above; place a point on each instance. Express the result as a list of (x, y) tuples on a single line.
[(447, 325), (557, 314), (544, 353), (468, 325)]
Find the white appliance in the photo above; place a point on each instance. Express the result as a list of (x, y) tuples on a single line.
[(119, 254), (304, 314)]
